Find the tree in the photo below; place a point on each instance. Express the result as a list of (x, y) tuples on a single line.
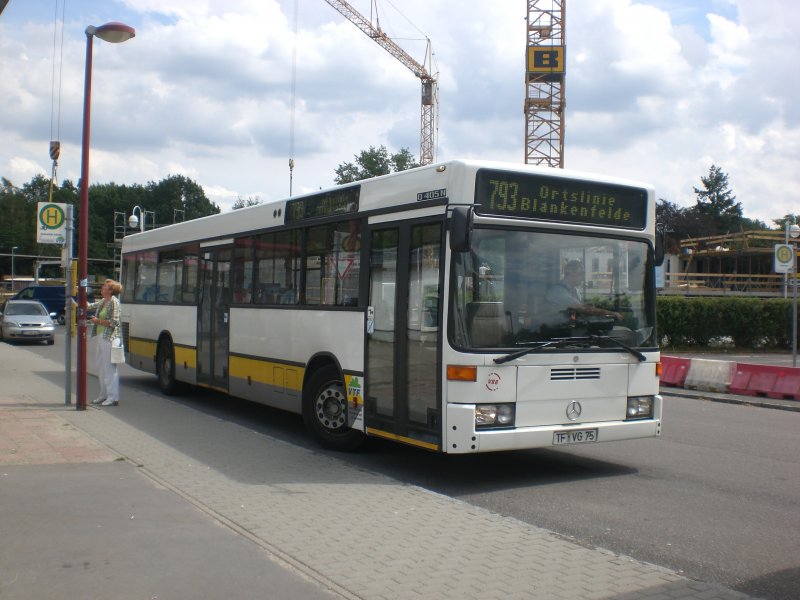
[(790, 218), (679, 223), (245, 202), (404, 160), (18, 215), (178, 193), (374, 162), (716, 200)]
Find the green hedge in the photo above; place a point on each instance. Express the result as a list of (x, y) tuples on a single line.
[(744, 322)]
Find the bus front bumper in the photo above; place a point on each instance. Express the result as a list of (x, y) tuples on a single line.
[(463, 438)]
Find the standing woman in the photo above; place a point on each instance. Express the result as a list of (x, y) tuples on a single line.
[(106, 328)]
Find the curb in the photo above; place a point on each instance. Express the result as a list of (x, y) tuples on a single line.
[(724, 398)]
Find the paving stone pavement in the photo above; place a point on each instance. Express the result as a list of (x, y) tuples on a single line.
[(359, 533)]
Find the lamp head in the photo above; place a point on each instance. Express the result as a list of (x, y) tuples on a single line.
[(794, 231), (133, 221), (112, 32)]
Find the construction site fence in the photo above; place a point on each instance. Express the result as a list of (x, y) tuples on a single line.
[(726, 284)]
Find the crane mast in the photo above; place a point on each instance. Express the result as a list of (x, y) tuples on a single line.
[(544, 81), (430, 91)]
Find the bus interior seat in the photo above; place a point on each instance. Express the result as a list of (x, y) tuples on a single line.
[(267, 293), (487, 323), (537, 305)]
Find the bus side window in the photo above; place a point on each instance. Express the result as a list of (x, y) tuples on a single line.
[(243, 270)]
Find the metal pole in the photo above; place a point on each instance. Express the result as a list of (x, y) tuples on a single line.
[(13, 269), (83, 226), (68, 309), (785, 275), (794, 305)]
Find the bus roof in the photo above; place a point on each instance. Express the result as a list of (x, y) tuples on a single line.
[(384, 192)]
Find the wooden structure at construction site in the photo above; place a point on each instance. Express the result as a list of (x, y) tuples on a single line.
[(734, 264)]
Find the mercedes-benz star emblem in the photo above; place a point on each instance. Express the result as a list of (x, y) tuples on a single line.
[(574, 410)]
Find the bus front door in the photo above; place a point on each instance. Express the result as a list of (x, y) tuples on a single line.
[(402, 383), (213, 316)]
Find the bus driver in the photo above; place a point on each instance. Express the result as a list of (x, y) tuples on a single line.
[(568, 295)]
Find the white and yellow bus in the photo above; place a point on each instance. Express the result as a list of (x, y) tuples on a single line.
[(416, 307)]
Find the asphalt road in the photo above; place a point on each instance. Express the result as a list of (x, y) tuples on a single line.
[(717, 497)]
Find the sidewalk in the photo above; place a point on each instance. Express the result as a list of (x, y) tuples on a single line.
[(93, 507)]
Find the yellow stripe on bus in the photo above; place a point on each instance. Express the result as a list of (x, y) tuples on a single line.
[(184, 356), (142, 347), (400, 438), (266, 372)]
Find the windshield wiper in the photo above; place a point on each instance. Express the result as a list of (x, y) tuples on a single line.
[(633, 351), (554, 343), (564, 342)]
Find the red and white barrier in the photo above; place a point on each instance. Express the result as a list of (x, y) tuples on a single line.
[(674, 370), (726, 376), (709, 375)]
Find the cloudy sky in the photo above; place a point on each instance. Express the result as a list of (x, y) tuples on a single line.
[(657, 90)]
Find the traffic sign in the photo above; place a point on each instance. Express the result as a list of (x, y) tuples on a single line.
[(51, 223), (784, 258)]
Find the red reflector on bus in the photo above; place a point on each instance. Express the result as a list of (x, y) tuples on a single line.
[(462, 373)]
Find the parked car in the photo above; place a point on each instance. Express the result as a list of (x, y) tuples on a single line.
[(27, 320), (52, 296)]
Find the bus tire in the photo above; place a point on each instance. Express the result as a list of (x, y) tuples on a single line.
[(165, 367), (325, 411)]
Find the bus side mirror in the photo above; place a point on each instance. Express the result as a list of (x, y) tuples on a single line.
[(659, 251), (461, 229)]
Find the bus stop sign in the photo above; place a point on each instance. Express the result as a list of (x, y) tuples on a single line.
[(51, 223), (784, 258)]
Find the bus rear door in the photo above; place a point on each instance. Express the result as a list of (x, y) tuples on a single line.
[(213, 317)]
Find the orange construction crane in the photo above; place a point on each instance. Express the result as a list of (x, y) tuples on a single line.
[(430, 90), (545, 98)]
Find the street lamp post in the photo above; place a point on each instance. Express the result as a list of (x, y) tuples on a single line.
[(114, 33), (793, 231), (13, 268), (133, 220)]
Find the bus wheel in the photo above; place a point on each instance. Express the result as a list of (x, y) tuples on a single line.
[(325, 411), (165, 365)]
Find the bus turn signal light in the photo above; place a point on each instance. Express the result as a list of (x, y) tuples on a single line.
[(462, 373)]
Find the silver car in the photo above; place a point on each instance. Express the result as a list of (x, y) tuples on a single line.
[(26, 320)]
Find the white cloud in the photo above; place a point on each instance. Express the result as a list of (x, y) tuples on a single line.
[(656, 90)]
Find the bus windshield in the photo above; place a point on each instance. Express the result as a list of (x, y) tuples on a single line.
[(518, 288)]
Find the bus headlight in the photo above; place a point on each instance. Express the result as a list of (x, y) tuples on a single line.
[(639, 407), (494, 415)]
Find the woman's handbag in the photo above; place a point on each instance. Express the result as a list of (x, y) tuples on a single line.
[(117, 351)]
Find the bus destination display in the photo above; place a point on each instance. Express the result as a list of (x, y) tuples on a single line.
[(322, 205), (546, 198)]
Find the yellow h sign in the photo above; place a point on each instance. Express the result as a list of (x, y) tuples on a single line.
[(51, 225), (546, 59)]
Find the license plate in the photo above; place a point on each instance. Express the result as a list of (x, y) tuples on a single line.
[(576, 436), (30, 332)]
